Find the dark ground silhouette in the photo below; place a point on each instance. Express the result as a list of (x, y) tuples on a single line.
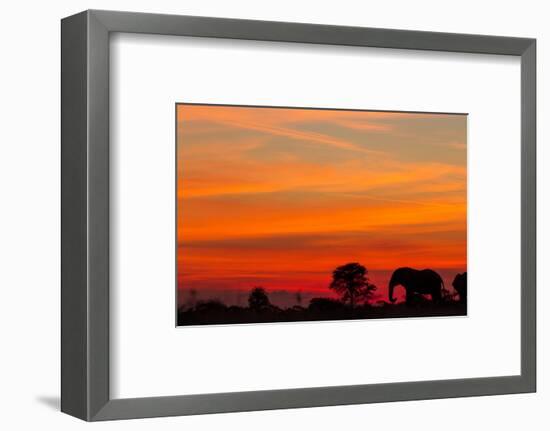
[(426, 296)]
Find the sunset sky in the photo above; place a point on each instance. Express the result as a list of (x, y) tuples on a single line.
[(279, 197)]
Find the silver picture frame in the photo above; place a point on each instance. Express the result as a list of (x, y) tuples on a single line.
[(85, 215)]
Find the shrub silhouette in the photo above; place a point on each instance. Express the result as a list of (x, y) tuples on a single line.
[(325, 305), (211, 306), (351, 282), (258, 299)]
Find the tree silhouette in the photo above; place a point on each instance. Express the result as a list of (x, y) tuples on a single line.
[(192, 300), (460, 286), (351, 282), (299, 298), (258, 299)]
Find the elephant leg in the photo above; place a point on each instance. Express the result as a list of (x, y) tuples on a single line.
[(436, 296), (409, 300)]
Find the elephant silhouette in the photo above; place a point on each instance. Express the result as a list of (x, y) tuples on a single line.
[(415, 281), (460, 285)]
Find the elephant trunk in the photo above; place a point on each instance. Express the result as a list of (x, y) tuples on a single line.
[(390, 291)]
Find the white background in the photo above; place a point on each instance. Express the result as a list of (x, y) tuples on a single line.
[(152, 358), (29, 232)]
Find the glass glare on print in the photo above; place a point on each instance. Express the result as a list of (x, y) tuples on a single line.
[(303, 214)]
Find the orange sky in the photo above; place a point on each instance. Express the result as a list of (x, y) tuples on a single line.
[(279, 197)]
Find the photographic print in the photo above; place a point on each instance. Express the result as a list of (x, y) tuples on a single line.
[(306, 214)]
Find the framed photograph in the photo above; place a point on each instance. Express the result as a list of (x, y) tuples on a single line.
[(279, 228), (248, 204)]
